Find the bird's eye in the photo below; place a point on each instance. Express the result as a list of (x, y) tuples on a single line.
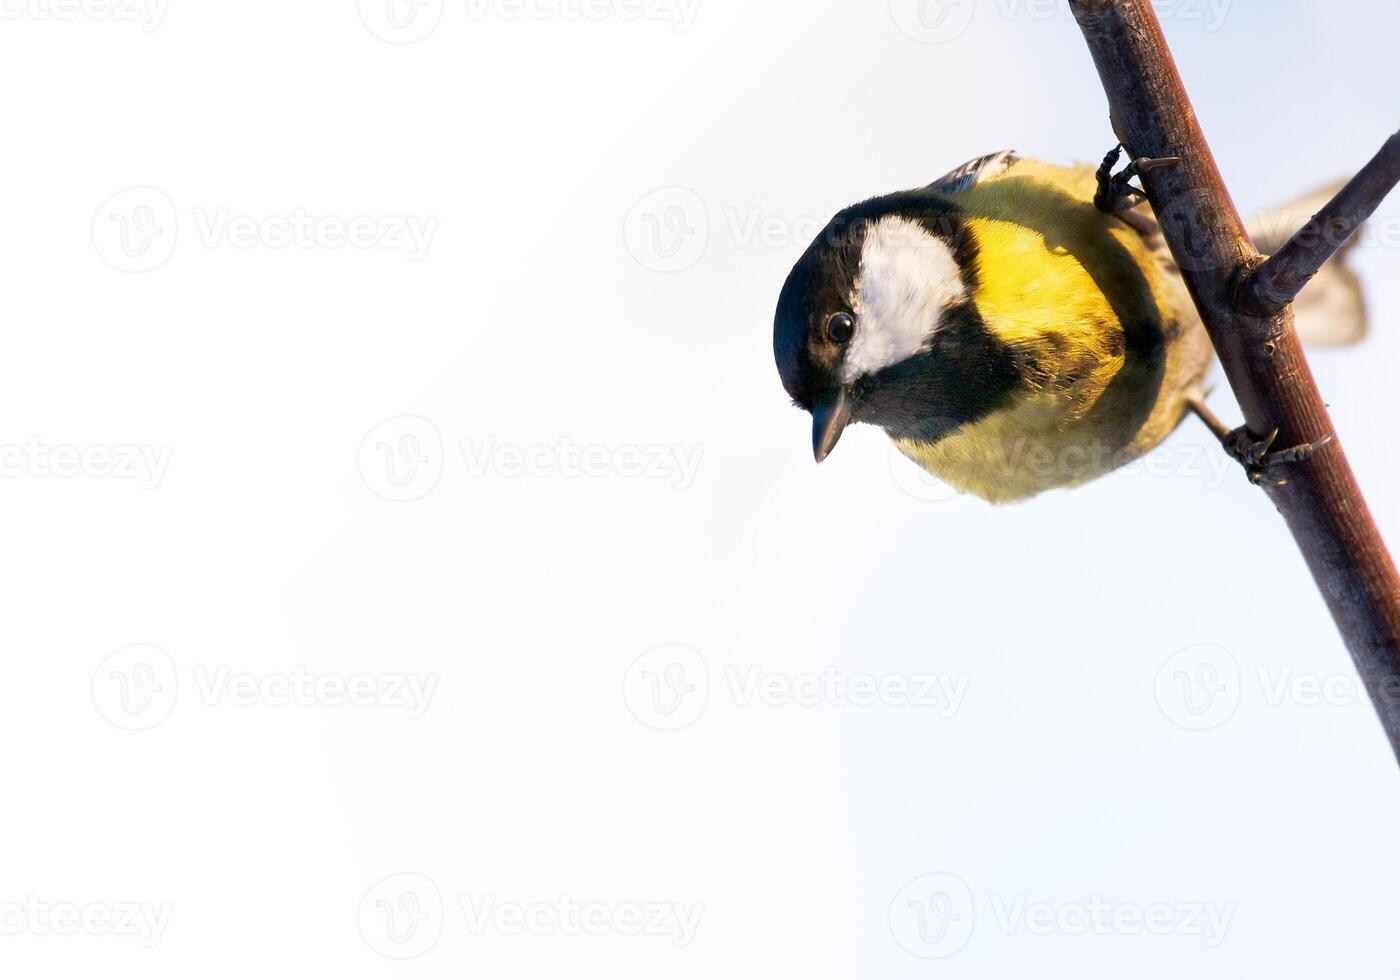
[(840, 328)]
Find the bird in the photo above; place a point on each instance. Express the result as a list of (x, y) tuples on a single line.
[(1018, 326)]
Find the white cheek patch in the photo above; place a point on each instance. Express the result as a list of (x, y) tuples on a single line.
[(908, 277)]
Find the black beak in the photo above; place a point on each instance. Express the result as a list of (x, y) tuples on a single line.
[(830, 416)]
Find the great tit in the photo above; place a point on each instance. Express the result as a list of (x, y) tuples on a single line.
[(1009, 335)]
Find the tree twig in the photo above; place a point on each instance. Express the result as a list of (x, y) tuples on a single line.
[(1279, 280), (1262, 356)]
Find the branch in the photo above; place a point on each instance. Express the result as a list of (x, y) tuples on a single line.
[(1262, 357), (1279, 280)]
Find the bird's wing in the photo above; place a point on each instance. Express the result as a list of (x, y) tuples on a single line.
[(1331, 310), (974, 171)]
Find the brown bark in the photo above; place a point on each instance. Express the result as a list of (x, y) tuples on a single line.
[(1321, 501)]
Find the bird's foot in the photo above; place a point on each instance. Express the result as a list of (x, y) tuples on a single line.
[(1116, 191), (1259, 458)]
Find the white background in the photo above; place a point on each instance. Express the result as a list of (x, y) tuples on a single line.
[(538, 322)]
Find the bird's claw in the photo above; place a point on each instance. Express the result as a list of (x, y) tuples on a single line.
[(1259, 458), (1116, 191)]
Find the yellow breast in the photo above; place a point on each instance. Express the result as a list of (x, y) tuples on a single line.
[(1095, 318)]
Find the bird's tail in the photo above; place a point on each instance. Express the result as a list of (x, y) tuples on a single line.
[(1331, 311)]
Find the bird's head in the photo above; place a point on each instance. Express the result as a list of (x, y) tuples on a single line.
[(877, 323)]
